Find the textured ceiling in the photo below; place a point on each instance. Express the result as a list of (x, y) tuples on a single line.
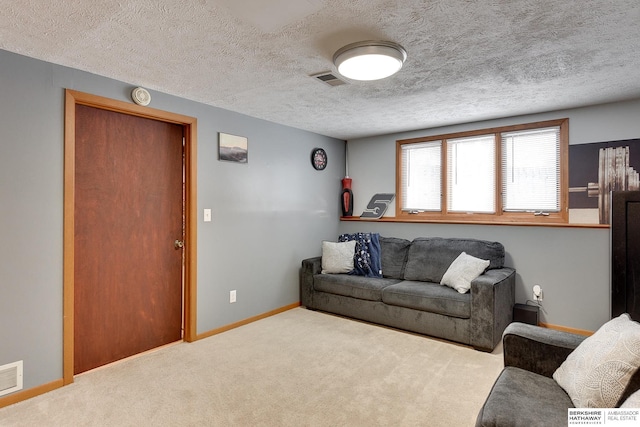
[(467, 60)]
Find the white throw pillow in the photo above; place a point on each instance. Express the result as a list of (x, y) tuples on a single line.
[(595, 374), (633, 401), (462, 271), (338, 257)]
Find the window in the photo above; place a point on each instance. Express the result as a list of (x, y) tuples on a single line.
[(531, 168), (471, 183), (421, 166), (510, 174)]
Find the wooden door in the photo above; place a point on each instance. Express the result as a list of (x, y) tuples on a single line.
[(625, 246), (128, 214)]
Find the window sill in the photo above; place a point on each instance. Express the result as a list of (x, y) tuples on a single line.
[(432, 221)]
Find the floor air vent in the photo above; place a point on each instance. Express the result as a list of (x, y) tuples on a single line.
[(329, 78), (10, 377)]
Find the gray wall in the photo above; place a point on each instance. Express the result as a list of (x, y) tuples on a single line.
[(571, 264), (267, 215)]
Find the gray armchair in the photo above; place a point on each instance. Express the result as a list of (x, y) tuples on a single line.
[(525, 393)]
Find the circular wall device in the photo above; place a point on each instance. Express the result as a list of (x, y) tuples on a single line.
[(141, 96)]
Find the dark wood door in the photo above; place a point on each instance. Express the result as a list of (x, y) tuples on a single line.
[(625, 245), (128, 214)]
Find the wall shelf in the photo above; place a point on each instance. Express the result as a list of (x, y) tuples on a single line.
[(435, 221)]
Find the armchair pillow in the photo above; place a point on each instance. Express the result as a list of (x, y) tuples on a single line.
[(597, 372)]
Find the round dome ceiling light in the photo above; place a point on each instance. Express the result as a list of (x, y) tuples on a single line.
[(369, 60)]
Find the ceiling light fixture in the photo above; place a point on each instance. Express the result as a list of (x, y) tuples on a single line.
[(369, 60)]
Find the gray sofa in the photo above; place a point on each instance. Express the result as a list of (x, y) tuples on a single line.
[(525, 393), (409, 295)]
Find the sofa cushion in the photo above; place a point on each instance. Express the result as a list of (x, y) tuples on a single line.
[(430, 257), (430, 297), (597, 372), (393, 254), (522, 398), (360, 287)]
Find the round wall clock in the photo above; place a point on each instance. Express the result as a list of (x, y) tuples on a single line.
[(319, 158)]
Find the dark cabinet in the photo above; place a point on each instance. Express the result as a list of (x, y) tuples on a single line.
[(625, 257)]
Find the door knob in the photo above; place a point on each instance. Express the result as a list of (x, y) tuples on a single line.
[(178, 244)]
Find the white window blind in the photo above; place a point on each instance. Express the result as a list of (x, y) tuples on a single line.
[(421, 176), (471, 182), (531, 170)]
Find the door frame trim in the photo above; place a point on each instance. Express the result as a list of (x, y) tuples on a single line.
[(73, 98)]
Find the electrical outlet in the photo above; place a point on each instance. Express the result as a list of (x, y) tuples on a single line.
[(537, 293), (232, 296)]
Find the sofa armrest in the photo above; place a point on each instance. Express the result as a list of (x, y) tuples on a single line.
[(492, 301), (536, 349), (310, 267)]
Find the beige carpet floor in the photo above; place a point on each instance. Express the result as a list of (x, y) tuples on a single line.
[(298, 368)]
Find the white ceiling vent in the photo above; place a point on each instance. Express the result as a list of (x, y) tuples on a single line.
[(329, 78)]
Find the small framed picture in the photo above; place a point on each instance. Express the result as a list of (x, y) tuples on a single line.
[(233, 148)]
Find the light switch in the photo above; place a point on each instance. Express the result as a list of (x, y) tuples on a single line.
[(207, 215)]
